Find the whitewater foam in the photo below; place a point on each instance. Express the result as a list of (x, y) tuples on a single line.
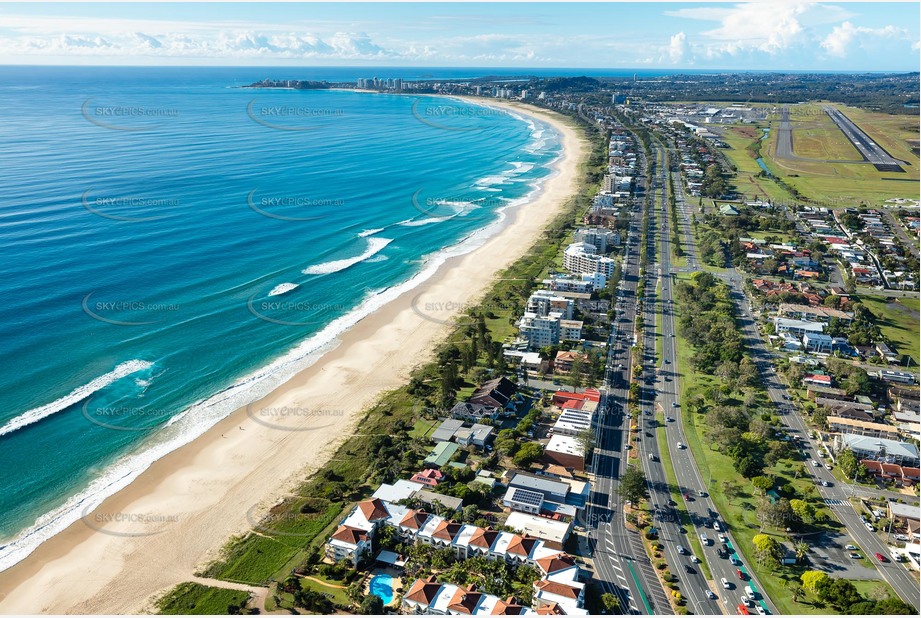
[(375, 245), (282, 288), (201, 416), (75, 396)]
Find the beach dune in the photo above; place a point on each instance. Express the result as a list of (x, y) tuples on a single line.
[(180, 512)]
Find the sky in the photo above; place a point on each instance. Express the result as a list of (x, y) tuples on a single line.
[(761, 35)]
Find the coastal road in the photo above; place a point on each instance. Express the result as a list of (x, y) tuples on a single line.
[(691, 483), (836, 495), (673, 536), (621, 564)]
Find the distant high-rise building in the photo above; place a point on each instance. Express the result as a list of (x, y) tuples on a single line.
[(524, 94), (398, 84)]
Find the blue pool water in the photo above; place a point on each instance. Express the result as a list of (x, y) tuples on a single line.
[(382, 586)]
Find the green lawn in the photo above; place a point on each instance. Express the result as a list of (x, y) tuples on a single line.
[(196, 599), (898, 321), (739, 514)]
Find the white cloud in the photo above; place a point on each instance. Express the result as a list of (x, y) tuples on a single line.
[(840, 39), (677, 48), (760, 26)]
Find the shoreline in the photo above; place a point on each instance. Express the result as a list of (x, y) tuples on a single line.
[(209, 487)]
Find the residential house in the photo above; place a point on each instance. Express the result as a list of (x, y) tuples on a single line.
[(497, 393)]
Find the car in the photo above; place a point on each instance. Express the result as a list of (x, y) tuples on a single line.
[(855, 555), (815, 464), (850, 547), (725, 583), (674, 404), (760, 610), (824, 483), (689, 569), (668, 362), (827, 467), (716, 526), (701, 493), (680, 446), (669, 419), (869, 526), (681, 550), (721, 537), (901, 537), (687, 497), (746, 601), (695, 559), (704, 539), (881, 557), (740, 574), (710, 594)]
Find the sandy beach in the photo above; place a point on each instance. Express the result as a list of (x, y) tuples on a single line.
[(180, 512)]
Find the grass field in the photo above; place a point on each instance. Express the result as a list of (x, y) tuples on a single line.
[(898, 320), (739, 514), (846, 184), (746, 182), (192, 598)]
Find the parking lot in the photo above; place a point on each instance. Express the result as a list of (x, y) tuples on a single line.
[(829, 555)]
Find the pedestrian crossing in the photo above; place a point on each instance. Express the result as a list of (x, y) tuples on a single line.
[(835, 502)]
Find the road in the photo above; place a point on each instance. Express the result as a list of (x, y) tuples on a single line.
[(673, 536), (691, 483), (835, 495), (895, 226), (621, 564)]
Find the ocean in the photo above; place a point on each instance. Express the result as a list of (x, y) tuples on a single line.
[(174, 246)]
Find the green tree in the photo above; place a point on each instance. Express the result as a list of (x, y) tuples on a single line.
[(803, 510), (813, 580), (632, 484), (528, 454), (767, 550), (848, 463), (372, 605), (763, 483), (610, 603)]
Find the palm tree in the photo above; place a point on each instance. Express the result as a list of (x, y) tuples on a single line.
[(801, 549), (796, 590)]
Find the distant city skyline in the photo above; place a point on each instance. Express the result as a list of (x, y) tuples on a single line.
[(802, 36)]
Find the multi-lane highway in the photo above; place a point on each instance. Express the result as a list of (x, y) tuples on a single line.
[(836, 494), (621, 564)]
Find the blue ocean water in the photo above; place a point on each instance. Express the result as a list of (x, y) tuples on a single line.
[(148, 215)]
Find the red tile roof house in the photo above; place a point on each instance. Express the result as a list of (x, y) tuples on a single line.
[(817, 379), (430, 477), (352, 539)]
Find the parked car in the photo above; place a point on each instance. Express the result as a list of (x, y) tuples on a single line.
[(855, 555), (850, 547)]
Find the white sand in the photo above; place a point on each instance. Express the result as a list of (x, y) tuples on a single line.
[(209, 486)]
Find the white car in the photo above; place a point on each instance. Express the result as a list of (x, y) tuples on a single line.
[(726, 583), (704, 539), (716, 526), (815, 463), (710, 594), (721, 537), (827, 467), (869, 526)]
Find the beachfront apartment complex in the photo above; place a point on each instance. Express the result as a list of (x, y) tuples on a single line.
[(352, 541), (582, 257), (548, 320)]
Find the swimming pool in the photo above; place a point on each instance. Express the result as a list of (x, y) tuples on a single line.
[(382, 586)]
